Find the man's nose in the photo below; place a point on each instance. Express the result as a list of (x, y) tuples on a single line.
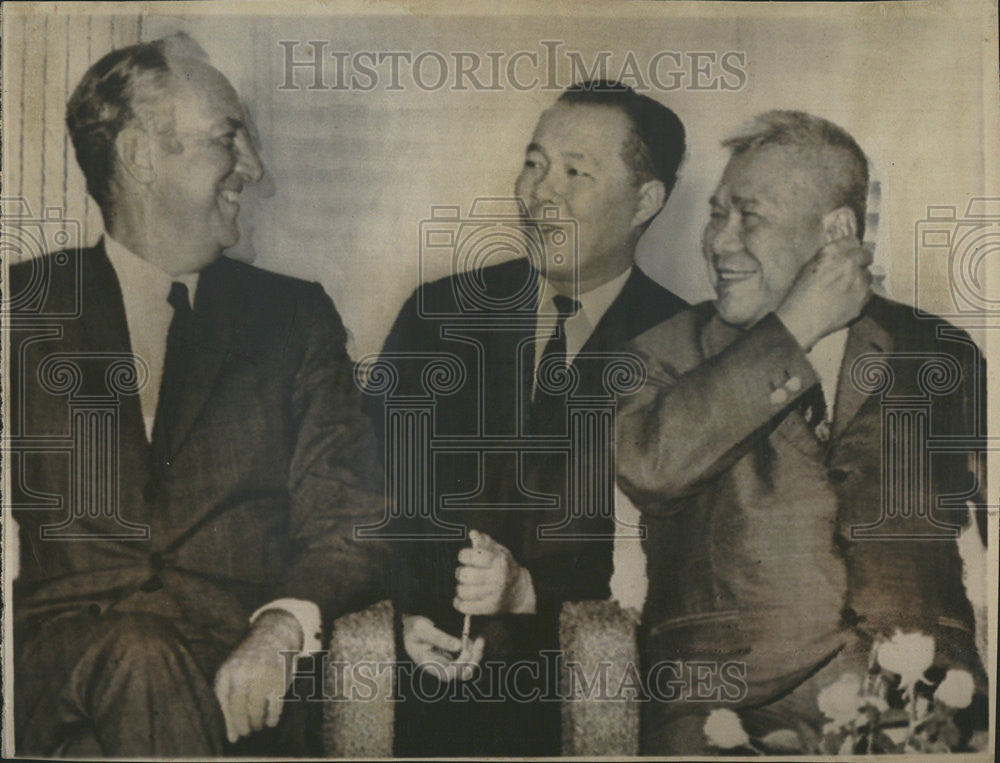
[(248, 163), (725, 239), (547, 189)]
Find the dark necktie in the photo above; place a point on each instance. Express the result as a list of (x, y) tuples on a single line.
[(812, 406), (556, 346), (548, 410), (175, 362)]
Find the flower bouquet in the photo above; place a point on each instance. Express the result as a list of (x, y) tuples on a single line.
[(902, 705)]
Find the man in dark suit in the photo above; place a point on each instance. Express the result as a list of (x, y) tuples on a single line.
[(778, 449), (189, 456), (600, 165)]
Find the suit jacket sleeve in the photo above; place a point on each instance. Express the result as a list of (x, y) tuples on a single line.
[(686, 426), (409, 560), (334, 483)]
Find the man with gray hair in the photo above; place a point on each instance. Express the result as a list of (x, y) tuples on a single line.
[(776, 561), (212, 530)]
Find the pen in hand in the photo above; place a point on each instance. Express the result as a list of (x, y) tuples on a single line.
[(467, 622)]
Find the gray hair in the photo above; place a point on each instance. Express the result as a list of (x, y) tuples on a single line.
[(110, 95), (849, 178)]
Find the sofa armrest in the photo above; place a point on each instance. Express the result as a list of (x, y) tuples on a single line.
[(600, 654), (358, 684)]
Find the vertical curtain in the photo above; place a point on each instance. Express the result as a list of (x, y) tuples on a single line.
[(44, 57)]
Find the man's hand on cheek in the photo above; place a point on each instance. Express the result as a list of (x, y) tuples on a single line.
[(490, 581), (830, 291), (252, 682)]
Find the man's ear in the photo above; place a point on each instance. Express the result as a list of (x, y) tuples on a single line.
[(652, 195), (134, 149), (838, 224)]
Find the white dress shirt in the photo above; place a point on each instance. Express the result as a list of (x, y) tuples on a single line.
[(579, 326), (144, 288), (628, 581), (826, 358)]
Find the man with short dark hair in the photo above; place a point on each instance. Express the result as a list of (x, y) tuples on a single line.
[(777, 557), (211, 518), (604, 159)]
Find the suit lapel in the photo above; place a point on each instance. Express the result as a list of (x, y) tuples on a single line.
[(104, 324), (865, 336), (216, 312), (104, 327), (641, 304)]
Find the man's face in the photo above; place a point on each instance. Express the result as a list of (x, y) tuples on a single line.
[(574, 162), (766, 223), (202, 165)]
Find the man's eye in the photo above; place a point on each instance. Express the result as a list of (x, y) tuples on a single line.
[(750, 217), (718, 215), (574, 172)]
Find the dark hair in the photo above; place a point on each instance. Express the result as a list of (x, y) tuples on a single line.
[(107, 99), (849, 183), (656, 146)]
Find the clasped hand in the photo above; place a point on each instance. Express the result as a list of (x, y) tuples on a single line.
[(489, 582)]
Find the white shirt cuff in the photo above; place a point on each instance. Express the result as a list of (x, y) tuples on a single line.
[(307, 613)]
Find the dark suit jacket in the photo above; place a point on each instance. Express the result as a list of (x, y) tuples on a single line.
[(751, 555), (494, 340), (269, 471)]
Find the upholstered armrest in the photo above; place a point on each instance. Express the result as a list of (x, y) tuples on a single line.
[(599, 647), (359, 712), (597, 639)]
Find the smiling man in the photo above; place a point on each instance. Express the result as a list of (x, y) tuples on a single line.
[(212, 522), (605, 159), (757, 456)]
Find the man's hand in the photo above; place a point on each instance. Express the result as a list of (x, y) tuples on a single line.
[(490, 581), (829, 292), (252, 682), (432, 650)]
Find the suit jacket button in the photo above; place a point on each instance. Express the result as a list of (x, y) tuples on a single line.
[(836, 476), (151, 585), (94, 610), (779, 396), (149, 491), (156, 561)]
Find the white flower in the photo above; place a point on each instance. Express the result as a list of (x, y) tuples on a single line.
[(908, 654), (840, 701), (956, 689), (724, 730)]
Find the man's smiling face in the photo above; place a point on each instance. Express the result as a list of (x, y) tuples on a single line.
[(766, 223), (574, 162), (203, 164)]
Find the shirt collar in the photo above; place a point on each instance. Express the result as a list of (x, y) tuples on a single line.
[(134, 272), (594, 303)]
